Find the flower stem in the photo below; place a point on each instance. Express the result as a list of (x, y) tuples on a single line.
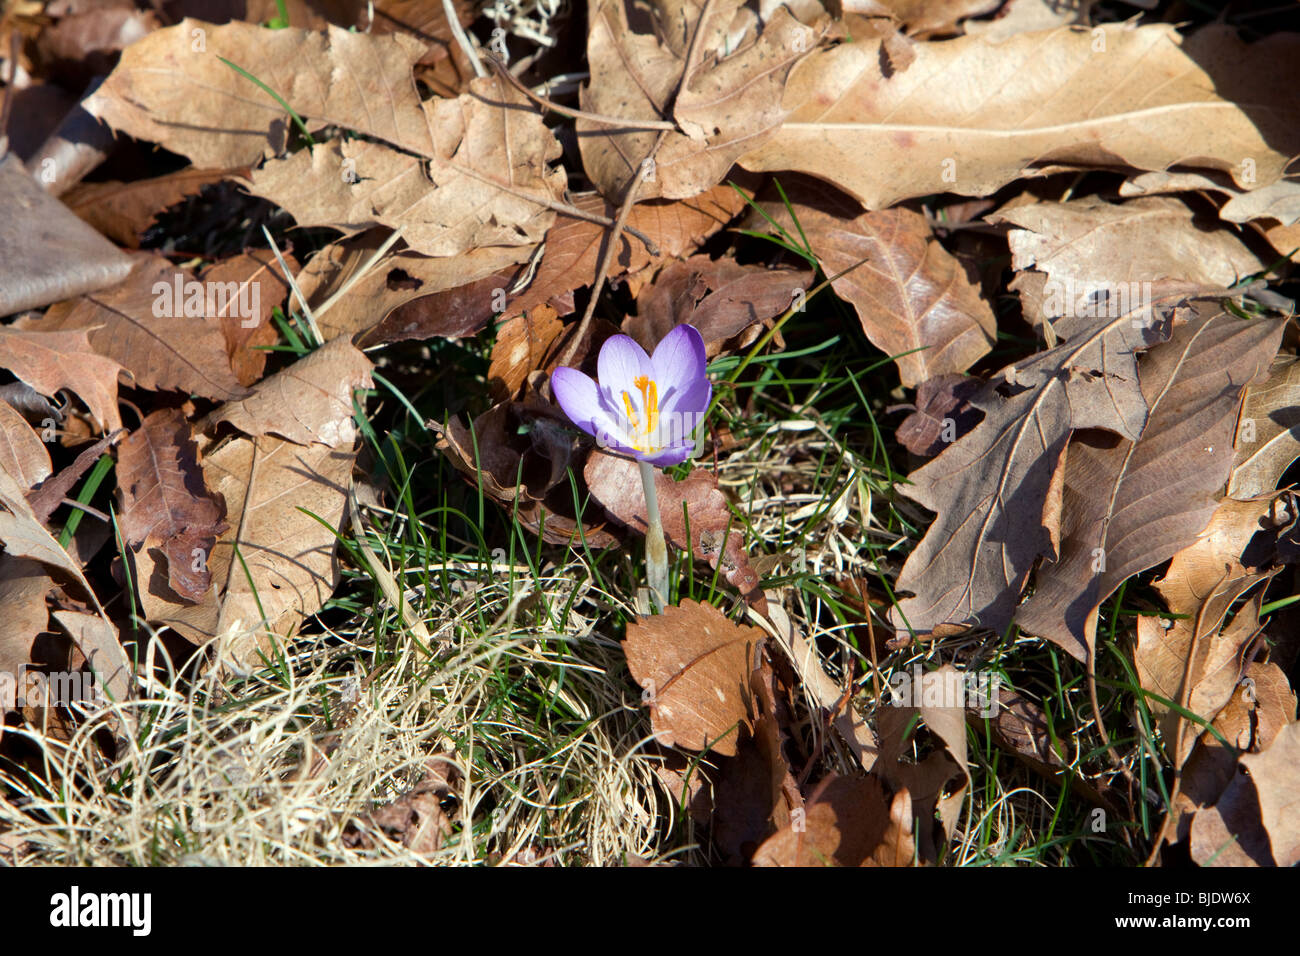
[(656, 550)]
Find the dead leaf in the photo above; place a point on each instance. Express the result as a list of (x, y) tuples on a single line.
[(292, 566), (164, 502), (22, 453), (454, 174), (974, 560), (569, 262), (1256, 821), (730, 104), (1129, 505), (1268, 436), (260, 286), (160, 324), (399, 278), (1116, 96), (721, 298), (23, 586), (942, 414), (49, 360), (911, 295), (308, 401), (47, 253), (1087, 248), (521, 347), (845, 821), (124, 211), (694, 665), (715, 536)]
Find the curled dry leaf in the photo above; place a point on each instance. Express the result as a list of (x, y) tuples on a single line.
[(398, 279), (1192, 660), (1268, 436), (22, 453), (159, 324), (23, 586), (254, 285), (1129, 505), (941, 415), (1079, 247), (911, 295), (694, 666), (22, 536), (714, 534), (164, 502), (1115, 96), (274, 491), (521, 348)]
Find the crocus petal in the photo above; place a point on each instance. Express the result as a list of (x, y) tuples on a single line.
[(678, 361), (582, 401), (621, 363), (670, 456), (577, 395)]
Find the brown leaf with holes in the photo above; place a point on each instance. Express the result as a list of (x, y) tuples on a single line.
[(164, 502), (161, 325), (1129, 505), (911, 295), (694, 666), (716, 536)]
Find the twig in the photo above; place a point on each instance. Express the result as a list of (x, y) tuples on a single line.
[(459, 33), (611, 247), (576, 114)]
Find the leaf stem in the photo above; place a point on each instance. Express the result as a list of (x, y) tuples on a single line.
[(656, 549)]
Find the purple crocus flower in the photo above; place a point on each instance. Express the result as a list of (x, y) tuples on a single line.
[(646, 406)]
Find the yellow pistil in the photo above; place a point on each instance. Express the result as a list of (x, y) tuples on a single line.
[(650, 402)]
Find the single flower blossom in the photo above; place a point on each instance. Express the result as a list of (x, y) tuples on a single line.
[(645, 406)]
